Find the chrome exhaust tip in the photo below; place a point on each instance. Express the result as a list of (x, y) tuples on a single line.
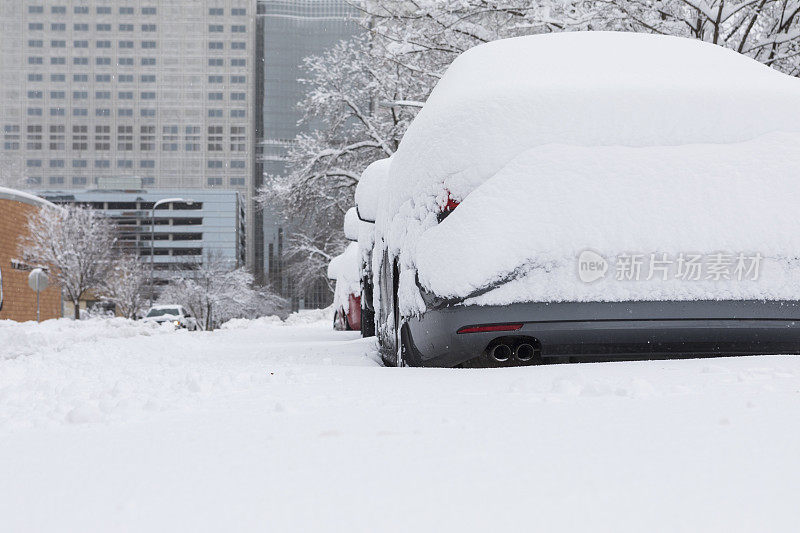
[(525, 352), (501, 353)]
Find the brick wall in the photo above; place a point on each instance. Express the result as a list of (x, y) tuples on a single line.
[(19, 301)]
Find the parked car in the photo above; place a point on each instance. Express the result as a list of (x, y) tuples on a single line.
[(343, 270), (546, 200), (175, 314), (367, 197)]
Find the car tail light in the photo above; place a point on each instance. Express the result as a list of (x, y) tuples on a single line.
[(447, 208), (489, 327)]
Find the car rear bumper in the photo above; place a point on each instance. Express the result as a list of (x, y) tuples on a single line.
[(612, 330)]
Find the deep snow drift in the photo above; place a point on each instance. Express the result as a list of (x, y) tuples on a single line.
[(111, 426)]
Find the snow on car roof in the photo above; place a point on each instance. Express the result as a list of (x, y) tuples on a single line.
[(585, 88), (369, 188)]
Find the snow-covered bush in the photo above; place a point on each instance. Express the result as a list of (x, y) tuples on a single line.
[(127, 286)]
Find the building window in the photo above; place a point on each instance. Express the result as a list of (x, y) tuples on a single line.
[(80, 95), (215, 96), (80, 61), (80, 112), (126, 27), (102, 163), (80, 26), (35, 43), (58, 60), (58, 10), (126, 11), (147, 138), (238, 45), (148, 78), (215, 62), (34, 77), (239, 11), (238, 79), (58, 95), (238, 163), (103, 44), (238, 96), (58, 26), (35, 26), (125, 78), (213, 182), (33, 163), (215, 164), (58, 78), (148, 11), (103, 27), (102, 78), (215, 138), (125, 44), (34, 60), (215, 79), (216, 11), (35, 9), (148, 61), (33, 180), (170, 139), (238, 28), (148, 181), (102, 61), (102, 95), (34, 111), (125, 95), (216, 28), (102, 138), (56, 163), (56, 111), (147, 112), (58, 44), (56, 180), (81, 44), (124, 163), (216, 45), (238, 139), (79, 180), (81, 10), (80, 138), (147, 163), (148, 44), (79, 163), (35, 94), (238, 113), (126, 61), (103, 10), (125, 138), (34, 137), (237, 182)]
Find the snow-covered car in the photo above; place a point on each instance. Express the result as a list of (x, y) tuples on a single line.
[(343, 270), (177, 315), (367, 195), (594, 194)]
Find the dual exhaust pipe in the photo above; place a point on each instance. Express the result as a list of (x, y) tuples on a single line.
[(503, 352)]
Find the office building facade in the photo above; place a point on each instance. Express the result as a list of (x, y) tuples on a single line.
[(95, 90), (289, 31)]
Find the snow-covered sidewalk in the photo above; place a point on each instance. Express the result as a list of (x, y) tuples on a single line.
[(269, 426)]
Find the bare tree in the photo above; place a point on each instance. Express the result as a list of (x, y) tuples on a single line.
[(127, 286), (215, 291), (75, 244)]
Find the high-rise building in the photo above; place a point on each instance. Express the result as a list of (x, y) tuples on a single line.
[(164, 90), (288, 32)]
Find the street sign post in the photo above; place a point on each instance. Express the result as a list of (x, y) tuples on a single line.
[(37, 280)]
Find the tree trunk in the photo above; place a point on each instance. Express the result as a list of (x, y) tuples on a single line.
[(77, 308)]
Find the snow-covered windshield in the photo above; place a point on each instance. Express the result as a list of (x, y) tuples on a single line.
[(163, 311)]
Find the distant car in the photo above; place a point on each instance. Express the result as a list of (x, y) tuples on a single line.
[(343, 269), (593, 195), (177, 315), (367, 196)]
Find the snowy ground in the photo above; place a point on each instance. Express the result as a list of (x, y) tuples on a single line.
[(113, 426)]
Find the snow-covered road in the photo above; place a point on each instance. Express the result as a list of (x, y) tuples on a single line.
[(113, 426)]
